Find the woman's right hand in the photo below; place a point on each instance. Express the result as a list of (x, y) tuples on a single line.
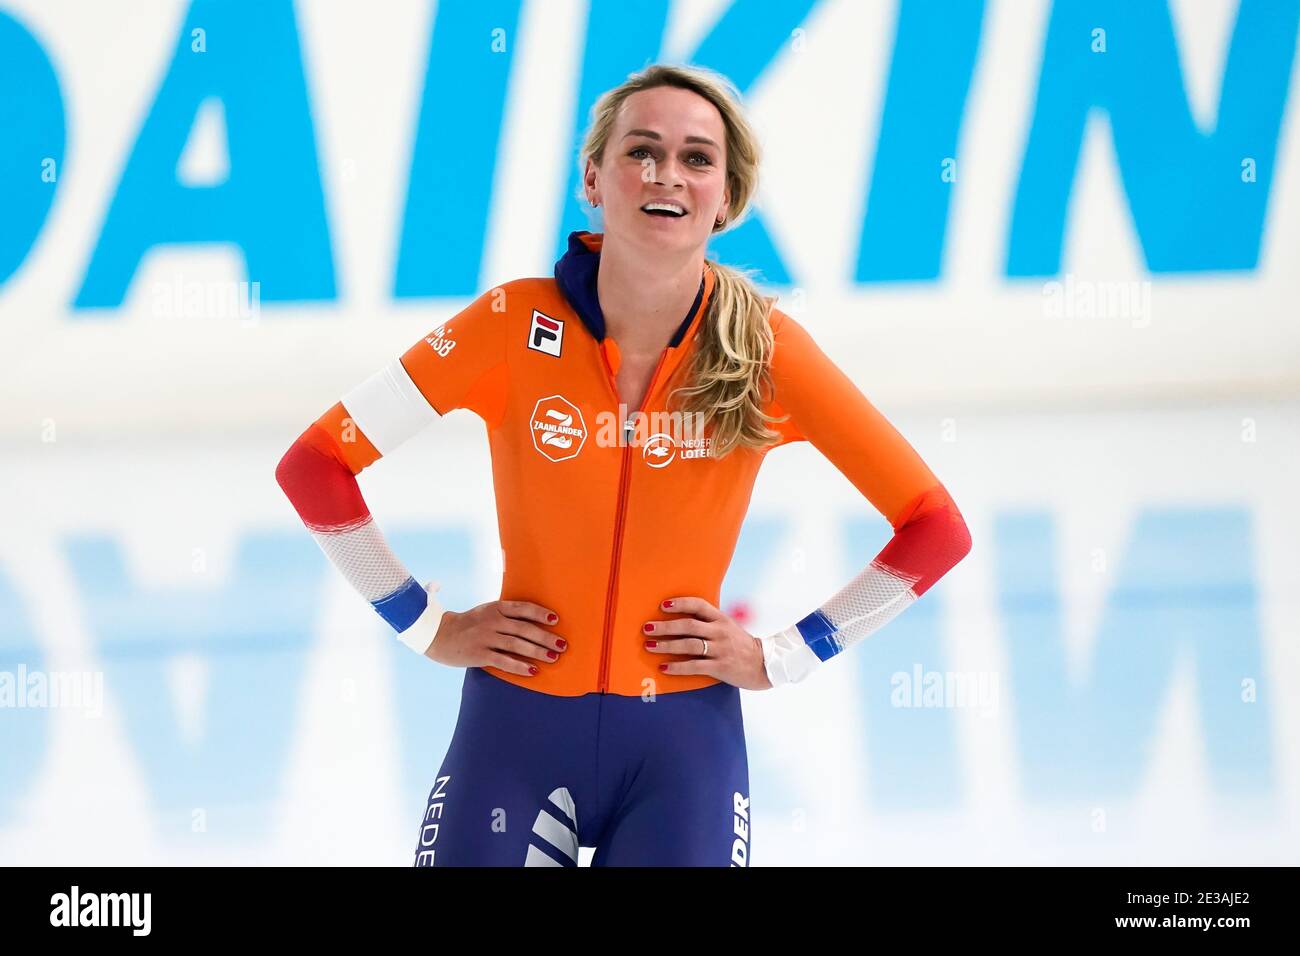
[(498, 634)]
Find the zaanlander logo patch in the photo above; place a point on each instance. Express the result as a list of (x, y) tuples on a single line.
[(661, 449), (558, 429)]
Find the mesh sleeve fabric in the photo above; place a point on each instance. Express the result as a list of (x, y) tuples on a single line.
[(316, 477), (930, 535), (455, 366)]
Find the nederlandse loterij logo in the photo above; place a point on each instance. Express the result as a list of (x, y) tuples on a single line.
[(441, 341), (558, 429), (546, 334), (660, 449)]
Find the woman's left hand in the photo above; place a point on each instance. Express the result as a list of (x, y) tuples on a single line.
[(717, 645)]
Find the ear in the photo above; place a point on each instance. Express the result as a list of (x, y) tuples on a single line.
[(589, 183)]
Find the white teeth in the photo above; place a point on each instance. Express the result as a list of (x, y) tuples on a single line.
[(666, 206)]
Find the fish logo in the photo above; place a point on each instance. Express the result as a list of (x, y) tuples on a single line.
[(659, 450)]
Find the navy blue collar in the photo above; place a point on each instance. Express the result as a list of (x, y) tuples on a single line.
[(575, 274)]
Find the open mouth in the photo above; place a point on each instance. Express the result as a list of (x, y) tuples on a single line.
[(667, 210)]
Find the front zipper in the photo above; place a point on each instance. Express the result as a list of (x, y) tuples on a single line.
[(623, 477)]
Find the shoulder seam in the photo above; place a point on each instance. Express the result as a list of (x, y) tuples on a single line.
[(503, 359)]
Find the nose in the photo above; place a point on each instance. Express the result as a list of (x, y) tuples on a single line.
[(668, 172)]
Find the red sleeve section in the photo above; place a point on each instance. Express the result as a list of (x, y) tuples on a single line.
[(316, 478), (931, 539)]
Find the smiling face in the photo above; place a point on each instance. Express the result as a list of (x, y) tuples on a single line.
[(668, 145)]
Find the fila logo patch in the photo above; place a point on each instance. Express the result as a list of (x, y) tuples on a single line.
[(546, 334)]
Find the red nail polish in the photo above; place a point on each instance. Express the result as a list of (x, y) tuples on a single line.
[(668, 603), (649, 627), (551, 619), (651, 643), (552, 655), (663, 667), (561, 643), (532, 669)]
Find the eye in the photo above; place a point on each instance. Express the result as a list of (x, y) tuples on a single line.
[(703, 156), (638, 149)]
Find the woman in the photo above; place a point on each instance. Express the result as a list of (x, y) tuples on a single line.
[(629, 402)]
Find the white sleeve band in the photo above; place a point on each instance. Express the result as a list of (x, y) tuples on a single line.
[(388, 407), (419, 636), (786, 657)]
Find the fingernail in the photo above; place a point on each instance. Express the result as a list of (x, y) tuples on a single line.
[(532, 669), (551, 618), (551, 654), (668, 603), (561, 643), (649, 627), (663, 667), (651, 643)]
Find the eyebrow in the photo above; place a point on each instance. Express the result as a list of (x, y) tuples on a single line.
[(653, 135)]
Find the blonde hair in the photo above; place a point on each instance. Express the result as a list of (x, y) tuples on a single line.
[(731, 372)]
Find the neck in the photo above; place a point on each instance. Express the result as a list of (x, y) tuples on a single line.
[(644, 299)]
